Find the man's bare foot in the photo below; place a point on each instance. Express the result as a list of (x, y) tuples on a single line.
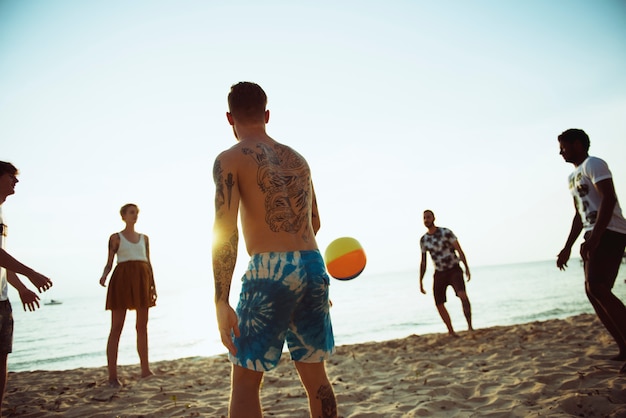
[(115, 383)]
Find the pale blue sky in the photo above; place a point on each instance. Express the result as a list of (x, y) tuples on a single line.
[(399, 106)]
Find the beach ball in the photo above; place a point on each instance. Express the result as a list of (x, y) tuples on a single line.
[(345, 258)]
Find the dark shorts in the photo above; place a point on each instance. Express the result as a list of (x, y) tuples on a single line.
[(284, 297), (442, 279), (6, 327), (603, 265)]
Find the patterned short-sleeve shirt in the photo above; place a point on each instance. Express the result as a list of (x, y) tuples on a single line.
[(441, 249)]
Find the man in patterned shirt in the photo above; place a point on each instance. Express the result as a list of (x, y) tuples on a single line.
[(599, 214), (443, 247)]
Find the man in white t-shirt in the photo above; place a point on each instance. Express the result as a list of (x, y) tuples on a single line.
[(9, 268), (599, 214)]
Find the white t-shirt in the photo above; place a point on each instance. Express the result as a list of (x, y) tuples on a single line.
[(582, 186), (4, 288)]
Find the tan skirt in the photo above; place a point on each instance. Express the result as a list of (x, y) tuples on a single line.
[(131, 286)]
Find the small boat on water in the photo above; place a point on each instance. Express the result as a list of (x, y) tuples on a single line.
[(53, 302)]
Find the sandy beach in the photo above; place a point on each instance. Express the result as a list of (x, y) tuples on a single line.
[(556, 368)]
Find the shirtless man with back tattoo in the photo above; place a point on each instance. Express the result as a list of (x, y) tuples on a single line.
[(284, 295)]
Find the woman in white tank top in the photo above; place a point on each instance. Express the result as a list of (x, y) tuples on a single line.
[(131, 287)]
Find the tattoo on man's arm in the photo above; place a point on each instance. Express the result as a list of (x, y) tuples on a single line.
[(224, 259), (218, 178), (230, 183)]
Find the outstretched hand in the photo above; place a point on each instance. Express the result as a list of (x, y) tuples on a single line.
[(41, 282), (228, 325), (30, 299), (562, 258)]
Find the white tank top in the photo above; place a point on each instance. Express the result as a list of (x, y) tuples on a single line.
[(129, 251)]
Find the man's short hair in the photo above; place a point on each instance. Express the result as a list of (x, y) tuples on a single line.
[(8, 168), (247, 101), (572, 135)]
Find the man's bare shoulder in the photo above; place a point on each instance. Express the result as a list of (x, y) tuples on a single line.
[(230, 153), (229, 159)]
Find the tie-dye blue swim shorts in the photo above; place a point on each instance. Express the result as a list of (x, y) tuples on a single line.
[(284, 297)]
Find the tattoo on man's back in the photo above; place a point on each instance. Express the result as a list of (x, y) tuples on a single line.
[(283, 176)]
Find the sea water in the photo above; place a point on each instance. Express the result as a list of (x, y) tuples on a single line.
[(372, 307)]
